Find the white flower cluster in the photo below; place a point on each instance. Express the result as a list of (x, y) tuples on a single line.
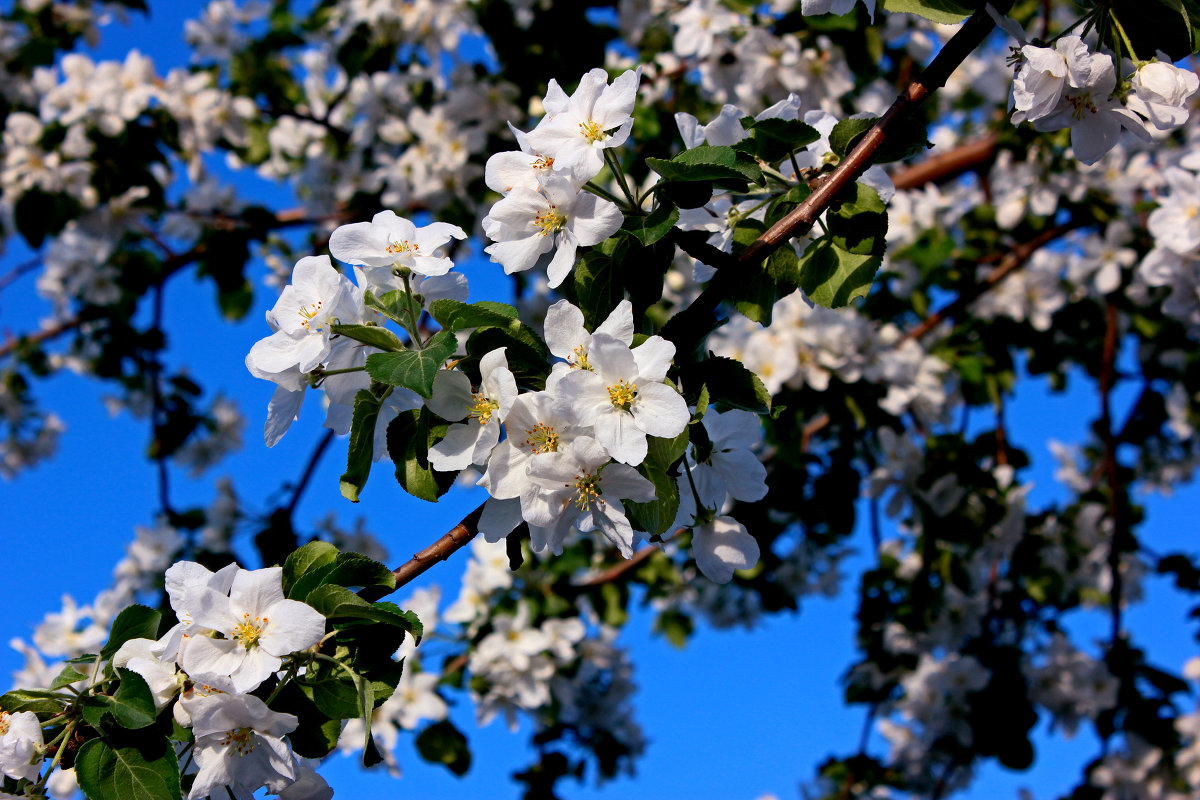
[(544, 207), (1069, 86), (234, 629)]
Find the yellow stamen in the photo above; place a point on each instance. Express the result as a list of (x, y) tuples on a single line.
[(622, 393), (586, 491), (396, 248), (249, 630), (242, 740), (483, 408), (549, 221), (308, 312), (543, 162), (591, 131), (542, 439)]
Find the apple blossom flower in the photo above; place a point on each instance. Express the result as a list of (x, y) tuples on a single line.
[(485, 408), (260, 626), (567, 337), (1161, 94), (624, 395), (596, 116), (239, 745), (1175, 224), (722, 546), (137, 655), (181, 580), (526, 223), (582, 487), (20, 741), (517, 168), (317, 296), (536, 424), (389, 241)]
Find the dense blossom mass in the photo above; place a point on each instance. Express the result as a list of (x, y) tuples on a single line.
[(756, 306)]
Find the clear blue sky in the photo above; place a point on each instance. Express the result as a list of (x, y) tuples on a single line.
[(734, 715)]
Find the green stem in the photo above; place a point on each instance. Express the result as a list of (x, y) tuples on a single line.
[(413, 314), (600, 191), (1124, 38), (615, 165), (701, 509), (64, 737), (325, 373), (795, 164), (282, 682)]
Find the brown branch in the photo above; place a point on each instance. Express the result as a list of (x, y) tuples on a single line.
[(968, 38), (947, 165), (442, 549), (1012, 261), (618, 571)]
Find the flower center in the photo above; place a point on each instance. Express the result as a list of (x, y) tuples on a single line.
[(483, 408), (543, 162), (622, 393), (249, 630), (587, 491), (591, 131), (5, 721), (578, 359), (308, 313), (542, 439), (1081, 105), (242, 740), (396, 248), (549, 221)]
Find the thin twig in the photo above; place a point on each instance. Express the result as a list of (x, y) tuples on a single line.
[(617, 571), (1012, 261), (456, 538), (309, 469), (24, 268), (947, 165)]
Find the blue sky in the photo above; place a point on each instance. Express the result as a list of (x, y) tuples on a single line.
[(734, 715)]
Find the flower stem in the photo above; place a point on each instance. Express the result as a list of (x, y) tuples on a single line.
[(614, 164), (599, 191), (413, 314)]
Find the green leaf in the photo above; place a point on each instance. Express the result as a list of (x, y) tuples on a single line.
[(784, 265), (656, 516), (943, 12), (143, 769), (529, 365), (724, 166), (68, 676), (372, 335), (597, 287), (132, 705), (353, 569), (833, 277), (408, 445), (308, 558), (859, 225), (361, 451), (393, 305), (905, 138), (774, 139), (413, 369), (442, 743), (339, 603), (455, 316), (134, 622), (729, 384), (648, 229), (781, 206), (38, 702)]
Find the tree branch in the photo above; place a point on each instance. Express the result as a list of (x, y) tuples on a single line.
[(442, 549), (1012, 261), (947, 165)]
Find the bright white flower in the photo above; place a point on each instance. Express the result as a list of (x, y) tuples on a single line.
[(567, 337), (836, 7), (239, 744), (624, 395), (578, 127), (581, 486), (538, 423), (700, 23), (317, 296), (389, 241), (20, 740), (453, 398), (260, 627), (731, 468), (1040, 81), (523, 168), (1161, 94), (526, 223), (182, 579), (138, 655), (1175, 224), (723, 546)]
